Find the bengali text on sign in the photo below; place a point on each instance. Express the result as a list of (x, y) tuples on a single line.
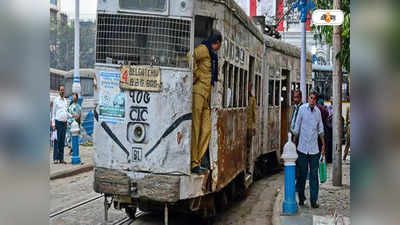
[(144, 78)]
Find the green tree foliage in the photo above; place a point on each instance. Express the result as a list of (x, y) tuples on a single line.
[(325, 32), (61, 45)]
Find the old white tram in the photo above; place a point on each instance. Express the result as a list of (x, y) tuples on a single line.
[(143, 116)]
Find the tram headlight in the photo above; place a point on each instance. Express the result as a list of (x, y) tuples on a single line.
[(137, 132)]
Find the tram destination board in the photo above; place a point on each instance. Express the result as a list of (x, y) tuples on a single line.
[(143, 78)]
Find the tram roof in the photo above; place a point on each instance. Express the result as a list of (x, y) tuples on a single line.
[(285, 47), (239, 13), (86, 72), (58, 72)]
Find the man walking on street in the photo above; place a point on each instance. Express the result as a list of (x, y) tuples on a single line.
[(59, 122), (205, 73), (309, 126)]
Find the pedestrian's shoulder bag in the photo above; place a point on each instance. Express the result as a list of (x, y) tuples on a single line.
[(322, 169)]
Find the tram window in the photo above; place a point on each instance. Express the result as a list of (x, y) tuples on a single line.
[(149, 5), (202, 29), (270, 92), (241, 89), (246, 91), (259, 90), (277, 92), (235, 87), (225, 84), (230, 85)]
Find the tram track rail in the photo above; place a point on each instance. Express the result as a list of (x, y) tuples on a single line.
[(79, 204)]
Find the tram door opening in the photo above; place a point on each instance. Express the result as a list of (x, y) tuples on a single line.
[(285, 104), (202, 29)]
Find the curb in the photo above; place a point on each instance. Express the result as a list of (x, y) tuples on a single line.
[(276, 212), (71, 171)]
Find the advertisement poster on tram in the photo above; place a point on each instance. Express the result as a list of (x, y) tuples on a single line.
[(112, 99)]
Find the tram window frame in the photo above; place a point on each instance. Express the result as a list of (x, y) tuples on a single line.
[(271, 88), (259, 99), (225, 86), (241, 87), (277, 93), (246, 87), (257, 88), (235, 87), (230, 84)]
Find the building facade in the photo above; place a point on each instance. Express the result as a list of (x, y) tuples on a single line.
[(56, 16)]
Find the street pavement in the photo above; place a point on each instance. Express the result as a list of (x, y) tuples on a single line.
[(332, 201), (86, 155), (254, 209)]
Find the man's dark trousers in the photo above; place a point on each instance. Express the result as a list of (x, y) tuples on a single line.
[(303, 163), (61, 128)]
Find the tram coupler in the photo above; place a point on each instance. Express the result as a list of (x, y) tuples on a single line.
[(166, 214), (107, 206)]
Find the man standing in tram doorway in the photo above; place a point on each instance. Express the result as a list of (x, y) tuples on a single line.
[(251, 123), (205, 74)]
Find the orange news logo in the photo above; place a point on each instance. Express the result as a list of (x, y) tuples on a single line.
[(328, 17)]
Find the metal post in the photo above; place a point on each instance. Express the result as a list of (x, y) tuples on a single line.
[(76, 86), (303, 59), (75, 159), (289, 206)]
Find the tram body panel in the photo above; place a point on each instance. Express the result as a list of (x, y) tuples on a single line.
[(155, 128)]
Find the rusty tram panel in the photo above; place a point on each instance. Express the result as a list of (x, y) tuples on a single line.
[(232, 134)]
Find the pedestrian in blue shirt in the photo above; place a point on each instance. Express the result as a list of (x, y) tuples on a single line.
[(308, 128)]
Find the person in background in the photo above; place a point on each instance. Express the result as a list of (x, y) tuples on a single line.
[(294, 112), (75, 110), (324, 116), (251, 122), (59, 121), (205, 74), (347, 124), (308, 128)]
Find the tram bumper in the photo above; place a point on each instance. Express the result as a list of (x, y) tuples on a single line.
[(154, 187)]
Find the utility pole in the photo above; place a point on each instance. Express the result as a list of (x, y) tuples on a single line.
[(304, 6), (303, 59), (337, 78), (76, 86)]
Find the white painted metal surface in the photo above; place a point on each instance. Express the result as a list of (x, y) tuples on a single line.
[(165, 147)]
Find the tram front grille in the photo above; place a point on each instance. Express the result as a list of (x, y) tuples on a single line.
[(142, 40)]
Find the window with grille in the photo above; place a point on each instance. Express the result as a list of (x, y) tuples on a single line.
[(148, 5), (142, 40)]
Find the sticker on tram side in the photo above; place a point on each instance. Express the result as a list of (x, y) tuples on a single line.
[(112, 99)]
